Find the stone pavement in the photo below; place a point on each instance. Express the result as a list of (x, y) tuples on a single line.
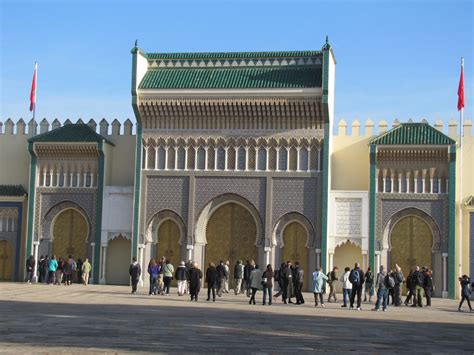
[(80, 319)]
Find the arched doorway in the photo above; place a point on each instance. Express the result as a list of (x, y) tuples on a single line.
[(230, 235), (118, 261), (411, 243), (6, 260), (168, 243), (346, 254), (294, 247), (70, 232)]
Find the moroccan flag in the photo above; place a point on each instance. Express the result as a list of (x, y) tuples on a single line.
[(461, 88), (33, 90)]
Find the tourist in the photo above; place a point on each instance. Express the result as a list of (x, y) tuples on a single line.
[(86, 270), (279, 277), (135, 271), (168, 271), (267, 283), (382, 292), (161, 286), (255, 283), (369, 285), (52, 267), (221, 278), (226, 281), (319, 279), (69, 268), (249, 266), (30, 268), (409, 286), (356, 278), (288, 275), (59, 271), (42, 269), (465, 292), (195, 276), (153, 270), (211, 280), (417, 280), (398, 277), (346, 286), (332, 278), (428, 285), (298, 283), (189, 266), (79, 271), (238, 276), (180, 276)]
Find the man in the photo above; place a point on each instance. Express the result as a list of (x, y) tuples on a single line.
[(238, 276), (289, 292), (86, 269), (180, 276), (30, 268), (250, 265), (221, 278), (298, 280), (41, 269), (226, 282), (427, 284), (356, 278), (398, 277), (382, 292), (332, 278), (52, 267), (417, 280), (135, 271), (410, 290), (195, 276)]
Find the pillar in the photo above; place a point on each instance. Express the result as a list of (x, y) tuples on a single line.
[(267, 251), (318, 259), (91, 279), (186, 158), (166, 158), (141, 248), (206, 157), (146, 158), (35, 254), (277, 159), (92, 180), (431, 186), (309, 159), (331, 260), (267, 160), (226, 150), (439, 185), (298, 152), (377, 262), (364, 261), (319, 159), (246, 158), (189, 249), (84, 183), (444, 294), (103, 263)]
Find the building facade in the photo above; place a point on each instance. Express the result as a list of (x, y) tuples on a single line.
[(233, 156)]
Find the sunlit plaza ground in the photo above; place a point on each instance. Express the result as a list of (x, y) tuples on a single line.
[(78, 319)]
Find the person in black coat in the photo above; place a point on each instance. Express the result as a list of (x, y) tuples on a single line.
[(356, 278), (211, 279), (135, 271), (222, 275), (465, 292), (195, 276)]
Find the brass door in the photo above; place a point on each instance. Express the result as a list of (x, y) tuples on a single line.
[(411, 241), (294, 249), (6, 260), (231, 233), (117, 261), (70, 234), (168, 243)]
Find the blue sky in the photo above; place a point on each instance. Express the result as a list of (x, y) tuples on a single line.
[(395, 59)]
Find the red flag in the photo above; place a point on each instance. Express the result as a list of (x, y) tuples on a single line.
[(461, 88), (33, 91)]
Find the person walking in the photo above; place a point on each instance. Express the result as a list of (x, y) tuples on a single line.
[(346, 286), (59, 272), (289, 291), (417, 280), (280, 278), (465, 281), (42, 269), (226, 281), (409, 286), (79, 271), (69, 268), (369, 285), (238, 277), (267, 283), (86, 270), (52, 267), (221, 278), (332, 278), (153, 270), (298, 283), (428, 285), (211, 280), (250, 265), (382, 291), (30, 268), (398, 277), (168, 271), (195, 276), (180, 276), (135, 271), (255, 283), (319, 279), (356, 278)]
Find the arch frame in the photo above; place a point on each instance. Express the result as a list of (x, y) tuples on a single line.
[(55, 211), (288, 218), (154, 223)]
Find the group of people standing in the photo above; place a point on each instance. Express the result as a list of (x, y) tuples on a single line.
[(53, 271)]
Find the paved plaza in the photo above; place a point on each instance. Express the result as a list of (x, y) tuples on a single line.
[(78, 319)]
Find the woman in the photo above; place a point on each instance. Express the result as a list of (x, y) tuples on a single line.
[(465, 292), (168, 270), (319, 279), (211, 279), (255, 282), (369, 285), (346, 286), (59, 272), (195, 276), (153, 270), (267, 282)]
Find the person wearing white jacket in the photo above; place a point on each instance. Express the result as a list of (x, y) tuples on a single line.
[(346, 286)]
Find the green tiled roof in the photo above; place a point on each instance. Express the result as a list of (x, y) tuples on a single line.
[(70, 133), (233, 55), (12, 190), (413, 134), (305, 76)]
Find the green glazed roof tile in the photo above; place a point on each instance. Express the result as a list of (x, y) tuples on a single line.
[(12, 190), (306, 76), (233, 55), (70, 133), (413, 134)]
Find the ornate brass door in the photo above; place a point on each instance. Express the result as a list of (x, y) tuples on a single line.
[(231, 233), (70, 233), (411, 241), (294, 249), (168, 242), (6, 260)]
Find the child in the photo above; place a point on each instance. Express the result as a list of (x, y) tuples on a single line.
[(465, 292), (346, 286)]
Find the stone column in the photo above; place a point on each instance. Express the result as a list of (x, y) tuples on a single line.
[(186, 158), (190, 248), (226, 150), (423, 180), (84, 183), (392, 182), (141, 247), (415, 181), (319, 159), (57, 178), (364, 260), (236, 164), (298, 152), (444, 293), (71, 177), (91, 279), (256, 158), (331, 260), (44, 177), (146, 158), (377, 261), (447, 185), (309, 158), (288, 159), (246, 158), (35, 254), (267, 159), (384, 181), (400, 175), (277, 159), (439, 185), (103, 264), (267, 251), (318, 259), (408, 182), (166, 158), (206, 157), (377, 173), (92, 180)]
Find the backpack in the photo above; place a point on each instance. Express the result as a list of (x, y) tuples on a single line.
[(354, 277), (276, 275), (389, 282)]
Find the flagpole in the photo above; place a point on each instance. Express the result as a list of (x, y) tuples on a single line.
[(36, 85), (461, 134)]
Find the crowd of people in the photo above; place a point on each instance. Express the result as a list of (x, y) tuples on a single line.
[(384, 288)]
